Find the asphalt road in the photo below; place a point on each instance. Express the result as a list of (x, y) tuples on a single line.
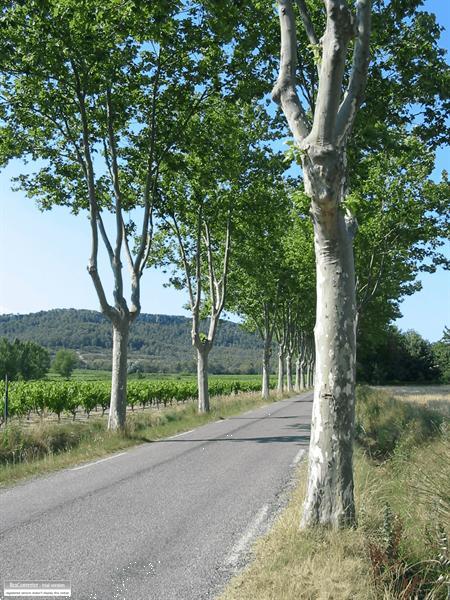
[(169, 520)]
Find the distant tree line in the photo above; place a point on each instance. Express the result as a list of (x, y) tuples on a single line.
[(158, 343), (393, 356), (403, 357)]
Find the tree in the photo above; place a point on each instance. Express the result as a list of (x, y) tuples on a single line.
[(23, 360), (257, 271), (203, 205), (441, 354), (404, 221), (397, 357), (408, 90), (99, 92), (64, 363), (322, 145)]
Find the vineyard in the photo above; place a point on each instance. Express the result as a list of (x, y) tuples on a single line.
[(84, 397)]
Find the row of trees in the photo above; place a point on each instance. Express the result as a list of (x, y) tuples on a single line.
[(403, 357), (152, 118)]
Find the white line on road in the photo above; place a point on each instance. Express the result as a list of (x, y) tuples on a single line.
[(172, 437), (243, 544), (97, 461), (298, 457)]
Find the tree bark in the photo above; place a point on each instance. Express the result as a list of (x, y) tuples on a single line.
[(329, 497), (308, 375), (118, 403), (202, 380), (289, 386), (280, 386), (265, 391), (302, 375), (298, 367)]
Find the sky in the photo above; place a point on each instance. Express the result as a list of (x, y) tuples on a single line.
[(44, 256)]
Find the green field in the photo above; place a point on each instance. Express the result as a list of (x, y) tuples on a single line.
[(99, 375)]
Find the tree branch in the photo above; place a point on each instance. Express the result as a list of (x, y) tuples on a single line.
[(226, 261), (105, 238), (309, 28), (358, 76), (116, 263), (284, 92), (211, 273), (187, 270), (150, 180), (198, 266), (338, 32), (107, 309)]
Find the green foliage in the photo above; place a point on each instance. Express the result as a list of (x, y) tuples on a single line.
[(393, 356), (23, 360), (403, 224), (383, 423), (64, 363), (441, 355)]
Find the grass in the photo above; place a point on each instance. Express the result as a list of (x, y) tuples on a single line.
[(25, 452), (383, 421), (399, 550), (434, 397), (293, 565)]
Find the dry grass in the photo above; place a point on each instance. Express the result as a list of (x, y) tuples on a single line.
[(406, 560), (291, 564), (435, 397)]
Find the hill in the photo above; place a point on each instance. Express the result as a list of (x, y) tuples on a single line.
[(158, 343)]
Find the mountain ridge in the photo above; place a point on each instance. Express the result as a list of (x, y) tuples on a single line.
[(158, 343)]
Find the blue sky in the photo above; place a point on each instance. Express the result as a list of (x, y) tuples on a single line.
[(45, 256)]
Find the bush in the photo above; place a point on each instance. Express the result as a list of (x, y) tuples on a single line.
[(64, 363)]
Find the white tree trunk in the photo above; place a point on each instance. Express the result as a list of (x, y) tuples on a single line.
[(329, 497), (323, 142), (265, 392), (202, 380), (309, 375), (280, 386), (297, 387), (118, 404), (289, 386)]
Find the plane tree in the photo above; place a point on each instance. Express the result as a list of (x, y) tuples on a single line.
[(320, 91), (404, 223), (95, 95), (322, 141), (257, 276), (299, 257), (204, 205)]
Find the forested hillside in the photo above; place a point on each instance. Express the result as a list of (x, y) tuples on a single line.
[(159, 343)]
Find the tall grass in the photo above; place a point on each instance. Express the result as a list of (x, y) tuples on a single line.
[(399, 550), (383, 422)]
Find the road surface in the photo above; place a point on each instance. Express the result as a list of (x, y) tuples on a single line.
[(168, 520)]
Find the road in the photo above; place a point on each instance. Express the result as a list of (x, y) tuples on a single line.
[(168, 520)]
